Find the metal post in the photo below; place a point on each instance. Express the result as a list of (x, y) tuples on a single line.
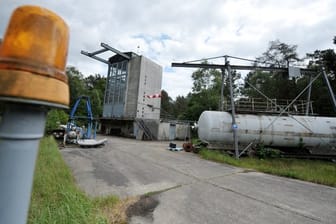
[(95, 130), (222, 91), (331, 93), (21, 128), (32, 78), (309, 95), (233, 113)]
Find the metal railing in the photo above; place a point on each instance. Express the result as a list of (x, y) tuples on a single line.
[(274, 106)]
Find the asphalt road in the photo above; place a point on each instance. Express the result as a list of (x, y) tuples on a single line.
[(192, 190)]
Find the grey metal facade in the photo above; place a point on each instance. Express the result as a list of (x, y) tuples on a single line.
[(115, 91), (129, 82)]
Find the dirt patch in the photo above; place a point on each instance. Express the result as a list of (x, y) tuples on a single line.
[(144, 207), (117, 214)]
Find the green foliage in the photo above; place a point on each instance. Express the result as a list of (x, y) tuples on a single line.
[(92, 86), (277, 86), (55, 117), (206, 91), (181, 107), (321, 172), (76, 83), (279, 54), (274, 85), (319, 96), (264, 153), (301, 144), (327, 58), (167, 105), (199, 102), (174, 109), (95, 89), (55, 196)]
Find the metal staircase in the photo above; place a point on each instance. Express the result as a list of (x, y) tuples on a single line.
[(148, 135)]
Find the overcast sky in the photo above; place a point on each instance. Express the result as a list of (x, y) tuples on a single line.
[(175, 31)]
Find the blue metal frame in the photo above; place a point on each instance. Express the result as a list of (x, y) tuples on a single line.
[(89, 117)]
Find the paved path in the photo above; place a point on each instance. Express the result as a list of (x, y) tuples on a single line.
[(193, 190)]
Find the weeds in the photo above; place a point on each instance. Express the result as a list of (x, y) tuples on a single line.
[(321, 172), (57, 199), (262, 152)]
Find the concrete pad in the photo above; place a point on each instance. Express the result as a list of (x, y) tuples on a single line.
[(193, 190), (306, 199), (204, 203), (102, 171)]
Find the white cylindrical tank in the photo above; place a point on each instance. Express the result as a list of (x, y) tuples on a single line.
[(215, 127)]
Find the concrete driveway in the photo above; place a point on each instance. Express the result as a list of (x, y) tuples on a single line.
[(191, 190)]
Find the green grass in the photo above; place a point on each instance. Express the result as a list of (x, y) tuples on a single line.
[(321, 172), (55, 196)]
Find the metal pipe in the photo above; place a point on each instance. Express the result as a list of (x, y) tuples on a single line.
[(222, 91), (331, 93), (309, 96), (233, 111), (115, 51), (236, 67), (95, 57), (21, 128)]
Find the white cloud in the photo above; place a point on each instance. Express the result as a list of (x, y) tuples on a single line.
[(174, 31)]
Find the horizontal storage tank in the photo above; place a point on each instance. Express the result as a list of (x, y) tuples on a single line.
[(215, 127)]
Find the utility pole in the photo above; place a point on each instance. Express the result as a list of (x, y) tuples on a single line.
[(222, 90), (233, 111)]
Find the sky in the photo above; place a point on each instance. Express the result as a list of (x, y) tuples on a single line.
[(169, 31)]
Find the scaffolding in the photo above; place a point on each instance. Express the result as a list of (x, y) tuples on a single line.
[(292, 105), (271, 106)]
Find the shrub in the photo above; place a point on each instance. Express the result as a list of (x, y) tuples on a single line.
[(263, 152)]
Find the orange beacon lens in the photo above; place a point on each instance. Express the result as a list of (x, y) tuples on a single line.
[(33, 56)]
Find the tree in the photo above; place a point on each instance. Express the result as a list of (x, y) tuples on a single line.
[(204, 79), (92, 86), (76, 83), (279, 54), (55, 117), (166, 105), (320, 97), (95, 89), (206, 91), (326, 58), (263, 81), (180, 107), (274, 84)]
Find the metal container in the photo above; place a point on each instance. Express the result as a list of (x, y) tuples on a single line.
[(310, 132)]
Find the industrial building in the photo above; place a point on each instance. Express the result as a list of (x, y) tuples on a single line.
[(132, 99)]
